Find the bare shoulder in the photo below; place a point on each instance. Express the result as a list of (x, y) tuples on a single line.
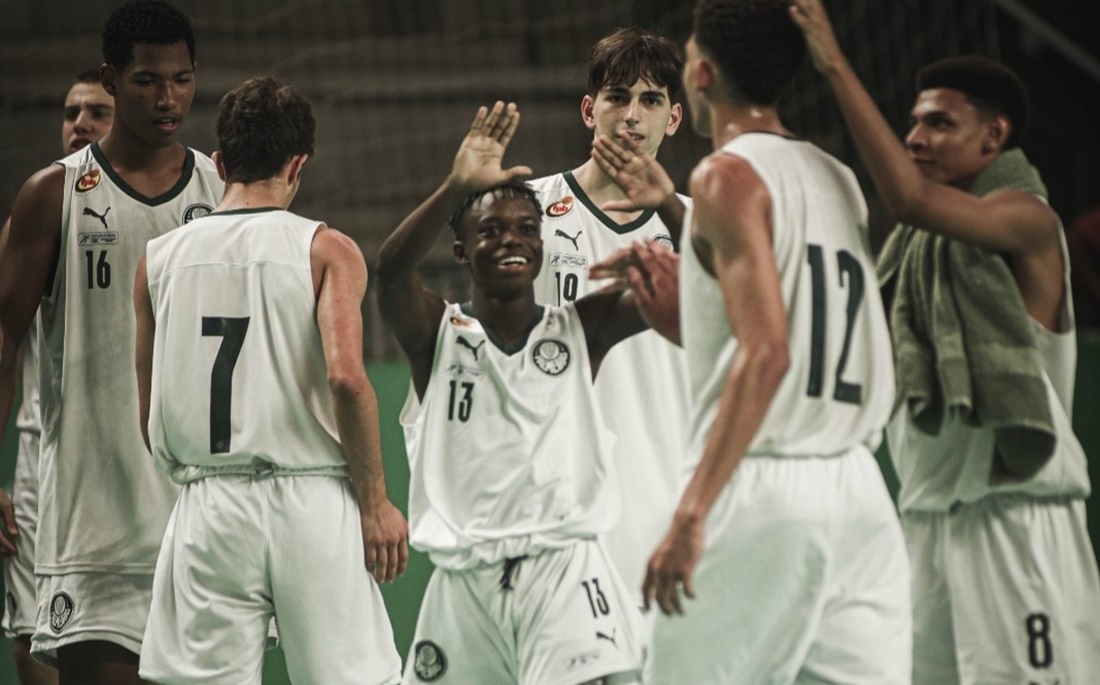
[(44, 185), (726, 189), (331, 245)]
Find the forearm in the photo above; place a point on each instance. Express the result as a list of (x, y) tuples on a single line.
[(671, 214), (897, 178), (750, 386), (411, 241), (357, 425)]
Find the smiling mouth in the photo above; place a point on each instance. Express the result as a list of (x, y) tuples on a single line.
[(513, 261)]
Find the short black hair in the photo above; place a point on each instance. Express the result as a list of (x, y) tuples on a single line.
[(628, 54), (507, 189), (261, 124), (87, 76), (989, 85), (756, 45), (155, 22)]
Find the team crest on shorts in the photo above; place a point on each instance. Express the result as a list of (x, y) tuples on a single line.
[(561, 207), (196, 211), (429, 663), (61, 610), (551, 356), (89, 181)]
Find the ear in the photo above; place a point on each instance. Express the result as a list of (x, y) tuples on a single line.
[(459, 249), (219, 164), (674, 119), (998, 128), (108, 79), (588, 115), (294, 168)]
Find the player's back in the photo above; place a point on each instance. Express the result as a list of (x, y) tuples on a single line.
[(839, 388), (239, 377)]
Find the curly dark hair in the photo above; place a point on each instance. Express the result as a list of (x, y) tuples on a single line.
[(628, 54), (517, 189), (989, 85), (261, 124), (144, 21), (756, 45)]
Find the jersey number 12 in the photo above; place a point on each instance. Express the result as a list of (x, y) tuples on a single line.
[(848, 265)]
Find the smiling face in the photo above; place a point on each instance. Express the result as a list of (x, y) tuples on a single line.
[(153, 93), (643, 110), (500, 239), (952, 140), (88, 114)]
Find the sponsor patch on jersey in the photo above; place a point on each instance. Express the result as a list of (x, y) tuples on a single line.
[(569, 259), (89, 181), (100, 238), (196, 211), (458, 369), (429, 662), (561, 207), (664, 240), (61, 610), (551, 356), (582, 659)]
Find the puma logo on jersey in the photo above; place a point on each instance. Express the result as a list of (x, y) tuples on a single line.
[(561, 207), (570, 238), (610, 638), (88, 211), (466, 343)]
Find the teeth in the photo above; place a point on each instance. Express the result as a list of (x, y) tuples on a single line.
[(513, 260)]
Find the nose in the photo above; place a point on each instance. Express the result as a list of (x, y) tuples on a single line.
[(83, 122), (632, 111), (916, 140), (166, 95)]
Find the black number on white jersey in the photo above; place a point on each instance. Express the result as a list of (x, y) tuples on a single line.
[(460, 406), (232, 332), (851, 276), (1040, 650), (567, 286), (99, 270)]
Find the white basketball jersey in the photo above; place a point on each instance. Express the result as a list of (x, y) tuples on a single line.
[(506, 454), (641, 387), (103, 506), (936, 471), (239, 374), (28, 419), (839, 388)]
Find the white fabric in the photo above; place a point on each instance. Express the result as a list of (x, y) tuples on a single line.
[(641, 387), (103, 506), (239, 282), (803, 579), (1004, 591), (239, 550), (506, 452), (565, 618), (21, 608)]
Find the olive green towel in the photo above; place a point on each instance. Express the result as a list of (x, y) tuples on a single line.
[(962, 337)]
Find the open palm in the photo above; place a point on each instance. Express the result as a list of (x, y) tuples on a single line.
[(478, 163)]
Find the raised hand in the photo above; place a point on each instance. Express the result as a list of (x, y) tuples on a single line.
[(637, 173), (810, 16), (652, 273), (477, 164)]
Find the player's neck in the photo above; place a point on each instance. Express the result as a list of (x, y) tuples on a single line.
[(127, 153), (730, 121), (266, 193), (601, 188), (507, 317)]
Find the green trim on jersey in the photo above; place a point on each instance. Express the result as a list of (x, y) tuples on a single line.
[(598, 213), (245, 210), (521, 342), (168, 196)]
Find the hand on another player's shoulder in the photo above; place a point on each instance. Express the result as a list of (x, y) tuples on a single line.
[(385, 541)]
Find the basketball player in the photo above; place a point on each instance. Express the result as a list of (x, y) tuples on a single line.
[(631, 100), (79, 228), (992, 499), (87, 114), (785, 537), (511, 481), (277, 443)]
